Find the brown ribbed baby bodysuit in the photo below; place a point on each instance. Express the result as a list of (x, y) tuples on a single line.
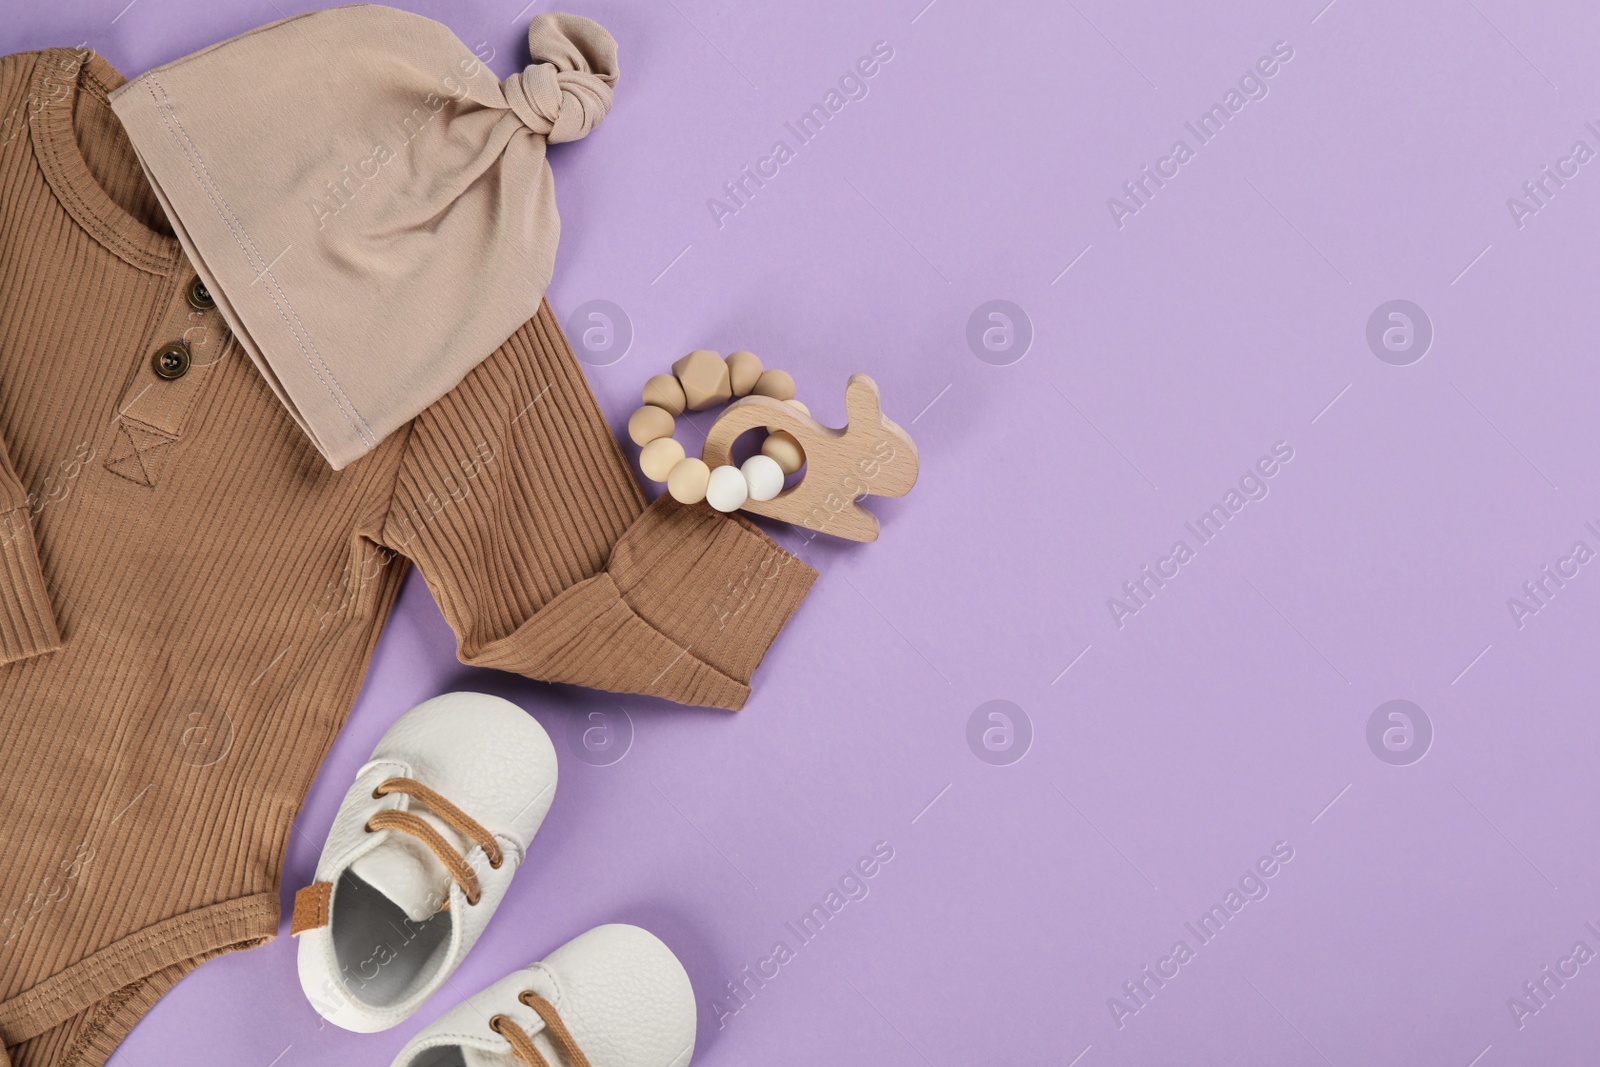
[(189, 595)]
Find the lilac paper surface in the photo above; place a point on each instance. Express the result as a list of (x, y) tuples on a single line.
[(1162, 731)]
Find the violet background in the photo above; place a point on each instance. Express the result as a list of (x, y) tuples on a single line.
[(1170, 754)]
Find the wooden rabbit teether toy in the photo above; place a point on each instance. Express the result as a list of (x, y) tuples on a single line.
[(869, 456)]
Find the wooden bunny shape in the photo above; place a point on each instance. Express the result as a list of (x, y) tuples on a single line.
[(869, 456)]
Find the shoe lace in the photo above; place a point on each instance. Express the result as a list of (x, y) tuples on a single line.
[(522, 1045), (410, 823)]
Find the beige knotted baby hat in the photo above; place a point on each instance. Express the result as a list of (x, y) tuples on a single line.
[(369, 206)]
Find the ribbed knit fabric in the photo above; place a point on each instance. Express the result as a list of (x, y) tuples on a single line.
[(189, 595)]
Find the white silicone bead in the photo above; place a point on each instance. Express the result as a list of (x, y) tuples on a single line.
[(726, 491), (763, 476)]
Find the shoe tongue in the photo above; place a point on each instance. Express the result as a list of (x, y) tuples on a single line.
[(476, 1057), (406, 871)]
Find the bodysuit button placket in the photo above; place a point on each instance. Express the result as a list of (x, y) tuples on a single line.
[(171, 361), (199, 296), (187, 345)]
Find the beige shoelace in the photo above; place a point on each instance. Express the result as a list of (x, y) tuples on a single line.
[(409, 823), (522, 1044)]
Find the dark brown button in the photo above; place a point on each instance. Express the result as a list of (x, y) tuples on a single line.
[(171, 361), (199, 296)]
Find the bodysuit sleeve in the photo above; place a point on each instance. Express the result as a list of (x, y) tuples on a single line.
[(517, 505), (27, 622)]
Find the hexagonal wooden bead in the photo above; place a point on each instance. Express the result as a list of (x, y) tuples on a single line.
[(649, 423), (665, 393), (743, 370), (704, 377), (776, 384)]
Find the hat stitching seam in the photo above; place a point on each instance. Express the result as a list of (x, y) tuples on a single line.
[(252, 255)]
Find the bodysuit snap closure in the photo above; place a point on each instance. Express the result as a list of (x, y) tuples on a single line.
[(171, 360), (200, 297)]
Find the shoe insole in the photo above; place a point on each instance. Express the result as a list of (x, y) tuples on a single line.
[(381, 952)]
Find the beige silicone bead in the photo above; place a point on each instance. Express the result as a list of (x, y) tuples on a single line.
[(782, 446), (743, 370), (688, 480), (659, 457), (649, 423), (704, 378), (776, 384), (665, 393)]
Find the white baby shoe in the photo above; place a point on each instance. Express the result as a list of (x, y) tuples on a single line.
[(420, 855), (613, 997)]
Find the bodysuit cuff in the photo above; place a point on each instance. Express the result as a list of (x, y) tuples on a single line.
[(711, 583), (27, 620), (685, 610)]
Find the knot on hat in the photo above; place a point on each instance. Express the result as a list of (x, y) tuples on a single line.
[(566, 91)]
